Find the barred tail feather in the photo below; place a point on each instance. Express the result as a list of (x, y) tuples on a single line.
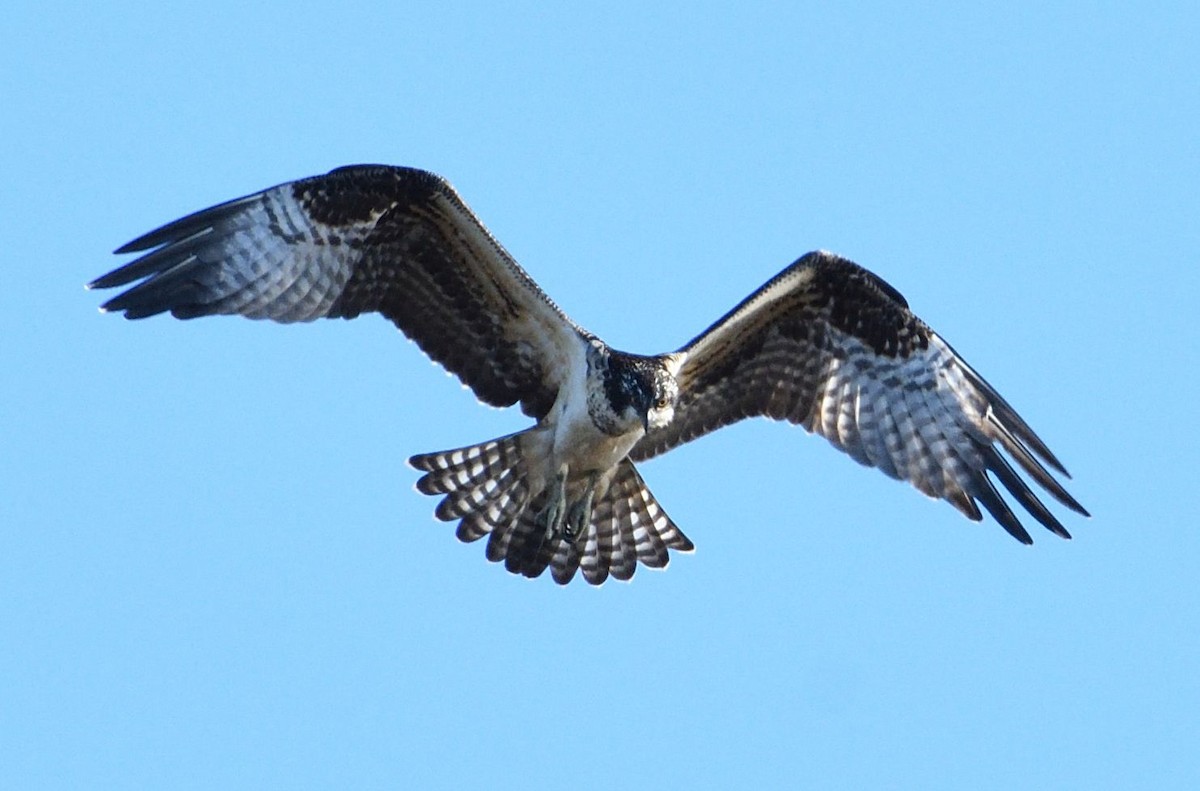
[(523, 545), (501, 511), (466, 469), (490, 489), (628, 527)]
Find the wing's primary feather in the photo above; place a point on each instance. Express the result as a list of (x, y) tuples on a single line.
[(364, 238), (832, 347)]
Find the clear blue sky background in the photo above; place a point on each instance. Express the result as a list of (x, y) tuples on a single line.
[(215, 572)]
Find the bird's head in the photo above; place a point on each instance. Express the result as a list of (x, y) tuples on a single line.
[(659, 391), (640, 392)]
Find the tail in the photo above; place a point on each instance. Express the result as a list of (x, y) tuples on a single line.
[(493, 490)]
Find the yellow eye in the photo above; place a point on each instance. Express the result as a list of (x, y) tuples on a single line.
[(661, 403)]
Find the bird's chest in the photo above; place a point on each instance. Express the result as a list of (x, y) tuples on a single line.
[(581, 444)]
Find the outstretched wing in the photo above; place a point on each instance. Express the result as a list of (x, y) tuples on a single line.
[(358, 239), (832, 347)]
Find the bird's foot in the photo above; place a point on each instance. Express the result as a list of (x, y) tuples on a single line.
[(550, 518), (579, 515)]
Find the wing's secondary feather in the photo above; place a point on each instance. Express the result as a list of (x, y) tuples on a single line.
[(360, 239), (832, 347)]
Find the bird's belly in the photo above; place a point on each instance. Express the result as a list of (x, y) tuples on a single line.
[(583, 448)]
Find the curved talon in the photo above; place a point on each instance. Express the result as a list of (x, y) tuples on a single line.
[(579, 515)]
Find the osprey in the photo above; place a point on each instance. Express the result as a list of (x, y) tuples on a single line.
[(824, 344)]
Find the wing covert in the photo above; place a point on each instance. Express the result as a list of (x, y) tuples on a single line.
[(397, 241)]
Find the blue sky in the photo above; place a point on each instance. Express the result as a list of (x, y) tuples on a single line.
[(215, 571)]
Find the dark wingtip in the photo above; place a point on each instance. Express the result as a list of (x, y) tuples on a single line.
[(128, 247), (134, 306), (107, 281), (1073, 504), (421, 461)]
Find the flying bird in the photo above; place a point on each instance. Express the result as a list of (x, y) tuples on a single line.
[(824, 344)]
